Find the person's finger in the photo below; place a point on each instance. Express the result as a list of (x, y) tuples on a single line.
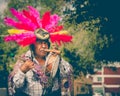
[(31, 67)]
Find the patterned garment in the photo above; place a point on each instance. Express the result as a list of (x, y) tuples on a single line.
[(36, 82)]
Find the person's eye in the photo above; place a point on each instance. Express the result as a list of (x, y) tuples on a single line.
[(45, 42)]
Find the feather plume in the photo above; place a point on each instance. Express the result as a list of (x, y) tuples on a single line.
[(60, 32), (19, 37), (61, 38), (54, 19), (19, 25), (45, 19), (31, 17), (9, 21), (20, 16), (56, 28), (15, 31), (24, 26), (28, 21), (35, 14)]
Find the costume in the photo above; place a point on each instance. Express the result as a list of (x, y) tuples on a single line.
[(38, 81)]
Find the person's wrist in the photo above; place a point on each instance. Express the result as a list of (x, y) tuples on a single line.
[(23, 69)]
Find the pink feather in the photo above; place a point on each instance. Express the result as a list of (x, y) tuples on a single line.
[(54, 19), (9, 21), (36, 14), (31, 17), (19, 37), (20, 16), (20, 25)]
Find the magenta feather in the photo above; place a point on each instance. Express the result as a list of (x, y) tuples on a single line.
[(20, 16), (22, 39), (9, 21), (19, 25), (18, 37), (54, 19), (31, 17), (35, 14)]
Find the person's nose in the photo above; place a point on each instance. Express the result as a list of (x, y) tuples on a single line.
[(43, 45)]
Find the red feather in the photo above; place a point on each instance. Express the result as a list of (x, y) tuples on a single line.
[(31, 17), (20, 16), (45, 19), (27, 41), (56, 28), (24, 26), (60, 38)]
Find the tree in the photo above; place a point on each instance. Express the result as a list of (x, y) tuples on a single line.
[(87, 41)]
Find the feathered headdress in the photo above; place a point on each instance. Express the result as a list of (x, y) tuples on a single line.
[(28, 21)]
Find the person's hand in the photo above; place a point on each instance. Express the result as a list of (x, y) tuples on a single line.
[(27, 66)]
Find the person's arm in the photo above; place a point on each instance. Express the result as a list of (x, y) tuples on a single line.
[(19, 77)]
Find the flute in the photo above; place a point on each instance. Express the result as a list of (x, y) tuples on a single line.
[(52, 50)]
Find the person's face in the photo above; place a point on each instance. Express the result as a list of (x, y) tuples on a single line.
[(39, 46)]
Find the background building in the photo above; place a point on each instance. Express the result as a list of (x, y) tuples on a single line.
[(107, 80)]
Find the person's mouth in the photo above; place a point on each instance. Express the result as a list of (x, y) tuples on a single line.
[(43, 51)]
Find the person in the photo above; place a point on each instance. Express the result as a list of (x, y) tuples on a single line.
[(40, 71)]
